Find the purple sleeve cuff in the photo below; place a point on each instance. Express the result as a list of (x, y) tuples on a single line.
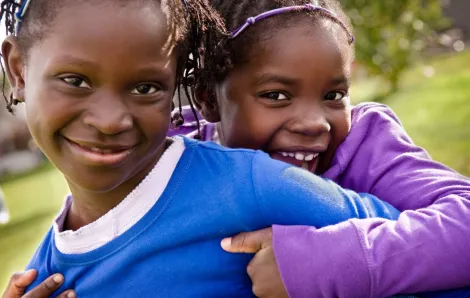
[(306, 277)]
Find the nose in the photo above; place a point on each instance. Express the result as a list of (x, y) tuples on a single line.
[(309, 121), (109, 114)]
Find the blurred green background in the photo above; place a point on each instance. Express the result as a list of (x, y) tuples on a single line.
[(409, 57)]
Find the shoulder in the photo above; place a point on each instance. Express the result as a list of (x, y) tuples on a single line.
[(212, 147), (371, 112), (375, 130), (374, 122), (221, 159), (43, 252)]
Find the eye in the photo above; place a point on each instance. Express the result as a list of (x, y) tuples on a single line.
[(145, 89), (335, 96), (76, 82), (275, 96)]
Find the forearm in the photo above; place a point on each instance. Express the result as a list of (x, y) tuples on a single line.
[(423, 250)]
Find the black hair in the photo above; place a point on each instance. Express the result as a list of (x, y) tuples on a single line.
[(232, 52), (193, 23)]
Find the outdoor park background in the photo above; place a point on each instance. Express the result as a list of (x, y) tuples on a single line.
[(411, 55)]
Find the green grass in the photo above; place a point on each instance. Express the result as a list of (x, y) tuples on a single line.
[(33, 201), (435, 111)]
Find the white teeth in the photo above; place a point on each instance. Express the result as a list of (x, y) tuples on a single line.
[(300, 156), (102, 151)]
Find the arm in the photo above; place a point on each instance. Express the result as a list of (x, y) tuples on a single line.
[(290, 195), (371, 256)]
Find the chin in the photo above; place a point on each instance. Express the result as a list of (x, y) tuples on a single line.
[(95, 183)]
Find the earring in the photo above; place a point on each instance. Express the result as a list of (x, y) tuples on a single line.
[(14, 101)]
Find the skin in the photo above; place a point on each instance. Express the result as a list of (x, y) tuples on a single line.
[(94, 88), (286, 99), (109, 88), (19, 282)]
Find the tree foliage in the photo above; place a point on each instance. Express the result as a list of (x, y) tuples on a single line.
[(391, 34)]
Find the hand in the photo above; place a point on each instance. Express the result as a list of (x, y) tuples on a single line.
[(262, 269), (19, 282)]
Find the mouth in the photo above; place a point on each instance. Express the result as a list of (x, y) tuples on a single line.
[(304, 159), (99, 154)]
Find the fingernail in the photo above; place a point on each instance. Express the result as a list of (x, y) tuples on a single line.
[(71, 295), (58, 278), (226, 243)]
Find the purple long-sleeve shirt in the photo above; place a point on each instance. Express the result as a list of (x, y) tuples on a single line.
[(425, 249)]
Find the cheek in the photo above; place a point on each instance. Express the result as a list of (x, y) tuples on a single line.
[(341, 125), (340, 121), (249, 127), (46, 114), (244, 121), (154, 121)]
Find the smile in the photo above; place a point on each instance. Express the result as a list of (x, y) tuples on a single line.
[(300, 156), (99, 155), (306, 160)]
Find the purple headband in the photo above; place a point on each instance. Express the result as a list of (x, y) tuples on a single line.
[(270, 13)]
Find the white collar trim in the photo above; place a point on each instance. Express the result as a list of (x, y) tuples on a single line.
[(123, 216)]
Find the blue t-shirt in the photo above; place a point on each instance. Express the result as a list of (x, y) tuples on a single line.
[(214, 192)]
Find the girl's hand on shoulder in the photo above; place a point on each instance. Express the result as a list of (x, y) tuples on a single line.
[(20, 281), (262, 269)]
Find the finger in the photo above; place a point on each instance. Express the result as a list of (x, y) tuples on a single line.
[(46, 288), (18, 283), (263, 261), (248, 242), (68, 294), (265, 276)]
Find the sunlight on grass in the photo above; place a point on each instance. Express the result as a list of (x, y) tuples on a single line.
[(434, 110), (33, 202)]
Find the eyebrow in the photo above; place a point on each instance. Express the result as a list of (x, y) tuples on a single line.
[(270, 78), (153, 69), (72, 60), (341, 81)]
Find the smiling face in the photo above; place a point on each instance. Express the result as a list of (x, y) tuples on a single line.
[(290, 99), (98, 90)]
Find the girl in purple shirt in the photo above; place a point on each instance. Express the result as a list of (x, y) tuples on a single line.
[(280, 83)]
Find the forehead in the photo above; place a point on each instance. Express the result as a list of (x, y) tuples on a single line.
[(318, 44), (138, 28)]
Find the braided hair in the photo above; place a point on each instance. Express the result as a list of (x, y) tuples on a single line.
[(236, 51), (193, 25)]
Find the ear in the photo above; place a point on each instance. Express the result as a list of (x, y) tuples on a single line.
[(207, 104), (14, 66)]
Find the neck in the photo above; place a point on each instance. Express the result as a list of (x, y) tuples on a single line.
[(88, 206), (220, 134)]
